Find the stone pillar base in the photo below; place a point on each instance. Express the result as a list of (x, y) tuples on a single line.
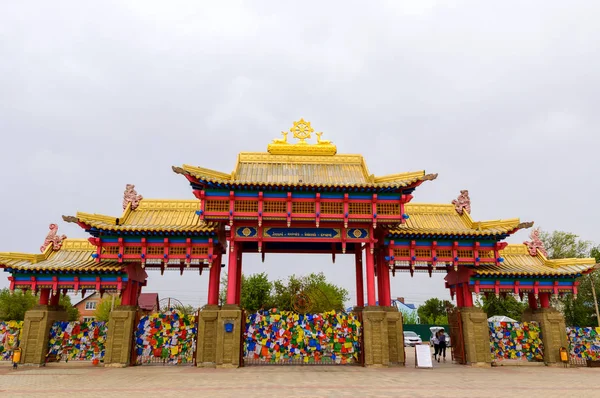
[(383, 337), (554, 331), (36, 332), (119, 339), (219, 337), (476, 336)]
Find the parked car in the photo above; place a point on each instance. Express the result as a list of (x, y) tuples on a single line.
[(434, 330), (411, 339)]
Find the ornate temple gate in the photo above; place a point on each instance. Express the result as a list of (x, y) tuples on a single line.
[(165, 338), (457, 338), (77, 341), (289, 338)]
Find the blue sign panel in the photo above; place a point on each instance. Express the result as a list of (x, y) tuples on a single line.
[(313, 233), (357, 233), (245, 232)]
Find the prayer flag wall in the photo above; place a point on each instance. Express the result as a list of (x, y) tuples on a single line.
[(516, 340), (167, 337), (10, 332), (78, 340), (281, 336), (584, 343)]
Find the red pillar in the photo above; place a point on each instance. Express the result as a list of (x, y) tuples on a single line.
[(232, 273), (532, 301), (385, 297), (370, 276), (214, 280), (238, 288), (545, 300), (44, 296), (467, 296), (55, 298), (130, 294), (379, 280), (360, 293), (460, 296)]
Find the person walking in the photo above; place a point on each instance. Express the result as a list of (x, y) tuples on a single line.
[(436, 345), (442, 348)]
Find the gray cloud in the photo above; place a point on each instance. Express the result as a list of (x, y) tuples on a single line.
[(497, 98)]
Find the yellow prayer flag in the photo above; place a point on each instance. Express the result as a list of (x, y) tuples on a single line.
[(174, 350)]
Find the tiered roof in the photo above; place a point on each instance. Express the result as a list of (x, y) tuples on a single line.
[(74, 255), (518, 261), (335, 171), (443, 220), (149, 216)]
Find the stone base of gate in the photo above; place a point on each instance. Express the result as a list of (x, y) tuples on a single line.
[(554, 331), (119, 339), (219, 337), (383, 337), (476, 336), (36, 332)]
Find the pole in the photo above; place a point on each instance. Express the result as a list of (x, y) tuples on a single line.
[(112, 304), (595, 299)]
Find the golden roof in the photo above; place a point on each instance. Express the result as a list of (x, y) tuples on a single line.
[(74, 255), (518, 261), (337, 170), (302, 163), (150, 215), (443, 219)]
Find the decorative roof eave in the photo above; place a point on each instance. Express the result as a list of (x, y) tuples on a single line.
[(472, 229), (537, 265), (75, 256), (406, 180)]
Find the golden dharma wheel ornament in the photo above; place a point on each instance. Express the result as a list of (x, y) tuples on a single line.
[(301, 303), (302, 130)]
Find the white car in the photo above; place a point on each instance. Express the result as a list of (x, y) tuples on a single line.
[(434, 330), (411, 339)]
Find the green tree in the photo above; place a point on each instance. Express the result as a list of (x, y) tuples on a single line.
[(409, 317), (256, 292), (105, 306), (580, 310), (508, 306), (561, 244), (434, 311), (72, 312), (13, 306), (323, 295)]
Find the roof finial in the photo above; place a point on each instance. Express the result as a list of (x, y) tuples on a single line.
[(463, 202), (302, 130), (53, 239), (131, 196), (536, 243)]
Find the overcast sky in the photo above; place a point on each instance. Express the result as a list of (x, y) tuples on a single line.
[(500, 98)]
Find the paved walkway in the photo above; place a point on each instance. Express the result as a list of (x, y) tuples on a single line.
[(445, 380)]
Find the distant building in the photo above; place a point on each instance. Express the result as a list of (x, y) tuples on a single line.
[(148, 302), (403, 307), (87, 307)]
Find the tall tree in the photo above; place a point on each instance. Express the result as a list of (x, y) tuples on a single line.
[(13, 306), (105, 306), (434, 311), (256, 292), (259, 293), (579, 311), (322, 295), (72, 312), (507, 306), (561, 244)]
